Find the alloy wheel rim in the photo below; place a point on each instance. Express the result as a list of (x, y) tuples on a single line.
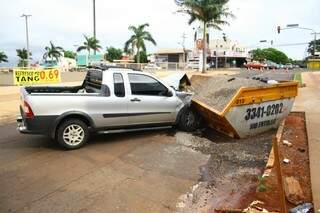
[(190, 119), (73, 135)]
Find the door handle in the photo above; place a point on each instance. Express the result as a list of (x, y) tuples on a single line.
[(135, 100)]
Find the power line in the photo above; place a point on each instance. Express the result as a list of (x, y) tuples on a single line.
[(284, 45), (290, 44)]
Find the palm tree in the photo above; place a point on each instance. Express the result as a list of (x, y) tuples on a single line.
[(53, 51), (210, 13), (138, 38), (3, 57), (23, 55), (91, 43)]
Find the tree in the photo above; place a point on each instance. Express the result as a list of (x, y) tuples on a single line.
[(258, 55), (270, 54), (276, 56), (52, 52), (3, 57), (138, 38), (69, 54), (210, 12), (113, 54), (23, 55), (143, 57), (311, 47), (90, 43)]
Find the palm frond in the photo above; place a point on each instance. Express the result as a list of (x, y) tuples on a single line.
[(149, 37), (207, 11), (80, 48)]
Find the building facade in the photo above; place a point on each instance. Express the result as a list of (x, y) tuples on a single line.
[(175, 58), (224, 53)]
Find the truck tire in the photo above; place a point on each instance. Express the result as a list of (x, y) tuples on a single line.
[(189, 120), (72, 134)]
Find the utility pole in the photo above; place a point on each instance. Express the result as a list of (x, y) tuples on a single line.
[(315, 43), (27, 37), (94, 21), (183, 46)]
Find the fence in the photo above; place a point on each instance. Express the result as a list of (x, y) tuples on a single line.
[(161, 66), (165, 66)]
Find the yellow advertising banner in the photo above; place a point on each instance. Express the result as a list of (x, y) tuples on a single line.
[(36, 76)]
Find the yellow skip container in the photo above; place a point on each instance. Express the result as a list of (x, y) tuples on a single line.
[(252, 110)]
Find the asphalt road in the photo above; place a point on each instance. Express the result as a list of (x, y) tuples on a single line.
[(138, 172)]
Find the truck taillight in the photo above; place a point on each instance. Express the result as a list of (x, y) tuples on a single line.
[(27, 110)]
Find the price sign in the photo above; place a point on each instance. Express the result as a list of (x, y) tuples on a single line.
[(36, 76)]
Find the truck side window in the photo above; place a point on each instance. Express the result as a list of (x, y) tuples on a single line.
[(146, 85), (119, 90), (93, 81)]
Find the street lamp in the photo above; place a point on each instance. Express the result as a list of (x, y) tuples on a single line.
[(27, 36), (292, 25), (296, 26)]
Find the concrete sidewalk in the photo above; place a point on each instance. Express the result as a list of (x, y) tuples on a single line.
[(308, 100)]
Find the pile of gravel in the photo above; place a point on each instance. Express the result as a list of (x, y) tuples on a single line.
[(217, 91)]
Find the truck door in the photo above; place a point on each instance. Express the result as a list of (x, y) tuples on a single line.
[(149, 101), (114, 109)]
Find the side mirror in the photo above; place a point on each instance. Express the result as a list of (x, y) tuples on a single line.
[(169, 93)]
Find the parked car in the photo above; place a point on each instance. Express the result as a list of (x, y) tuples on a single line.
[(151, 67), (288, 66), (195, 65), (254, 65), (281, 66), (110, 99), (271, 65)]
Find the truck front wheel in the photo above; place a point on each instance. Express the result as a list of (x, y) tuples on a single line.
[(189, 120), (72, 134)]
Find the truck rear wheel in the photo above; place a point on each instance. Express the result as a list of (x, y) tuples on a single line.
[(72, 134)]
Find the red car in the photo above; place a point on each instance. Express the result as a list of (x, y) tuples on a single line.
[(254, 65)]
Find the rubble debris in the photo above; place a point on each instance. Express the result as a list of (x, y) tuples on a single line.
[(267, 173), (303, 208), (270, 162), (286, 160), (254, 207), (293, 190), (217, 91), (286, 142), (230, 173)]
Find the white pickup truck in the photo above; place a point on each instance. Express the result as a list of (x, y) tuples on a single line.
[(110, 99)]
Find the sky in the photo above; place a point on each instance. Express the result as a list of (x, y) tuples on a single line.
[(65, 22)]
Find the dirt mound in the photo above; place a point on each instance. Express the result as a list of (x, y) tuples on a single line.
[(218, 91)]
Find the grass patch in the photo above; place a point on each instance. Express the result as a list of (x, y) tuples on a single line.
[(298, 78)]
